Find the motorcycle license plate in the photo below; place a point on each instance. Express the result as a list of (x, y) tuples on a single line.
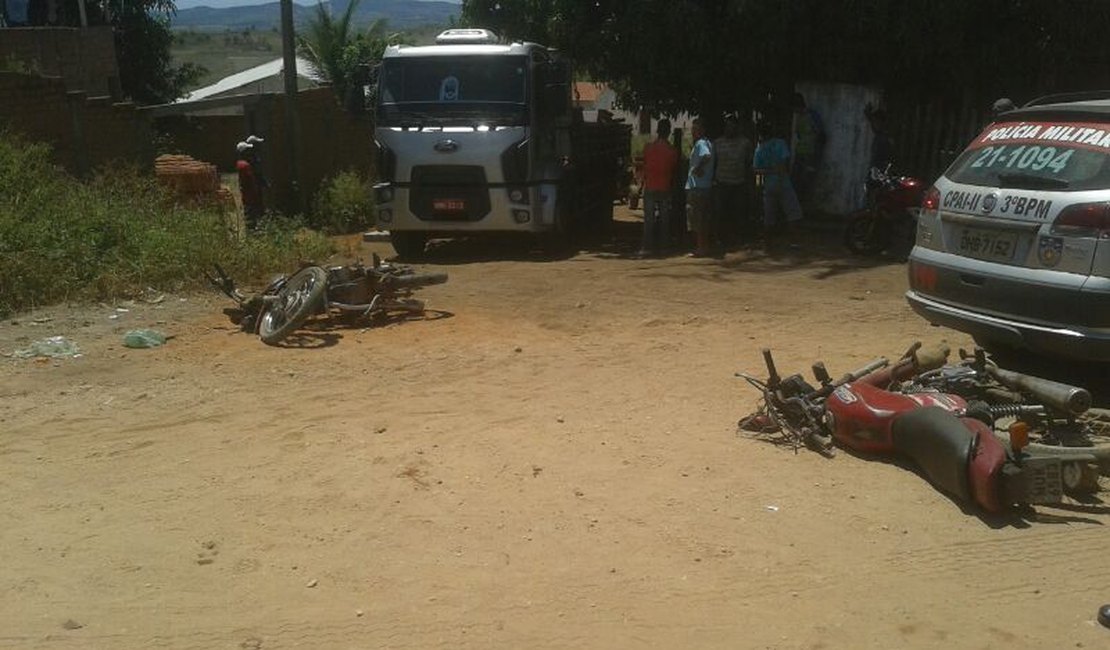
[(448, 205), (1044, 480), (987, 244)]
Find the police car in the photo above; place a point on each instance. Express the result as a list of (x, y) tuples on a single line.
[(1013, 241)]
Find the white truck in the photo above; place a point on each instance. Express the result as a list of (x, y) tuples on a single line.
[(476, 136)]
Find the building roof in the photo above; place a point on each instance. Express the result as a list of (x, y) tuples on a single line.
[(588, 91), (253, 75)]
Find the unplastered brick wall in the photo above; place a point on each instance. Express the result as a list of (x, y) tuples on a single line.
[(85, 133), (85, 58)]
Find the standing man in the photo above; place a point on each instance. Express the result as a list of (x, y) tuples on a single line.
[(660, 160), (251, 181), (772, 161), (809, 146), (699, 186), (734, 155)]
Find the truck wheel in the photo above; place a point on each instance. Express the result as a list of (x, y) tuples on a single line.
[(409, 245), (558, 240)]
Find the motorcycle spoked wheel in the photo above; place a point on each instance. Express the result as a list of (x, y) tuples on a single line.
[(868, 233), (1080, 477), (296, 301)]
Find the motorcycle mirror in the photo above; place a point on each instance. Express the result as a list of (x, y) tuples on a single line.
[(773, 379), (821, 374)]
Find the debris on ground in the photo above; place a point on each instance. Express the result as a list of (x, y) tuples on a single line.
[(144, 338), (54, 347)]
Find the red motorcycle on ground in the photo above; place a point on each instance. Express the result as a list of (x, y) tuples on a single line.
[(890, 215), (885, 409)]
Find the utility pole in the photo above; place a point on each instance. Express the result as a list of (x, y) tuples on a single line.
[(292, 118)]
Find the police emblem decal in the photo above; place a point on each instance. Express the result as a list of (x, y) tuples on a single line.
[(1049, 250)]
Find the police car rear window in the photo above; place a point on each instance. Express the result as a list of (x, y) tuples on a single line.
[(1066, 156)]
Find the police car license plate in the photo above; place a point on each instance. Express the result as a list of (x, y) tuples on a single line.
[(987, 244), (449, 205), (1044, 480)]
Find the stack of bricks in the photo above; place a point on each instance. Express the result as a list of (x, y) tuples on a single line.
[(192, 181)]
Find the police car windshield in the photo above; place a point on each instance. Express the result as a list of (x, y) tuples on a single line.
[(1037, 155), (454, 88)]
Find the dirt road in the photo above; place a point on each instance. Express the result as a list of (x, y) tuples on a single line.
[(552, 464)]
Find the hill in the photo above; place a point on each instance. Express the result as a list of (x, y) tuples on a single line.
[(401, 14)]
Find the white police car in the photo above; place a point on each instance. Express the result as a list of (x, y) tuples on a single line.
[(1013, 241)]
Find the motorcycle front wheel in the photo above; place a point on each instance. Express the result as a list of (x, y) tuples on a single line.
[(295, 302), (868, 233)]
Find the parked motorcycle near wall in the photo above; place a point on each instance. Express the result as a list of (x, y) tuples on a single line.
[(963, 446), (890, 216), (289, 301)]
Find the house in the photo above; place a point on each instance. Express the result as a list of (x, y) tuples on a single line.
[(265, 78)]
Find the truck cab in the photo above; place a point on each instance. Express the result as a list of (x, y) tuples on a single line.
[(474, 136)]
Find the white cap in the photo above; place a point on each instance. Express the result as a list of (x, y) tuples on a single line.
[(243, 146), (254, 139)]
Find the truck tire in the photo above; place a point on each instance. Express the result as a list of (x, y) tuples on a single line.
[(409, 245), (558, 240)]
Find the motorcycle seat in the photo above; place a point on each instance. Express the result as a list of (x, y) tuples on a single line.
[(939, 443)]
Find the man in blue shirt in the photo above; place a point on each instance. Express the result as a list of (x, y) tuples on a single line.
[(772, 161), (699, 184)]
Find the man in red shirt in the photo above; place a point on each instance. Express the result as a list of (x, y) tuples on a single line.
[(660, 161), (251, 182)]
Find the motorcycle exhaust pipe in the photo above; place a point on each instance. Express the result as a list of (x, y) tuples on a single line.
[(1062, 397)]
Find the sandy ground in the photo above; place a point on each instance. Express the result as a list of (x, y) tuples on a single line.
[(552, 462)]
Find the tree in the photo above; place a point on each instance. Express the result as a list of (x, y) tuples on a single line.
[(711, 55), (341, 54), (143, 40)]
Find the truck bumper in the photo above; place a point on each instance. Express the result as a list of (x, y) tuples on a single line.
[(396, 211)]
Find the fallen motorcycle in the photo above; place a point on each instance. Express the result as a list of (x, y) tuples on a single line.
[(879, 410), (1048, 418), (288, 301)]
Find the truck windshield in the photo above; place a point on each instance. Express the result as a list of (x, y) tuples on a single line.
[(445, 90)]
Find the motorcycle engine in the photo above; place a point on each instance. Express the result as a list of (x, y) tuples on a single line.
[(349, 285)]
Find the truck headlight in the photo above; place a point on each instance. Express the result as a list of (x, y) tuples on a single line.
[(517, 195), (521, 216), (385, 215), (383, 193)]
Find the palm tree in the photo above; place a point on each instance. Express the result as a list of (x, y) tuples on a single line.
[(338, 52)]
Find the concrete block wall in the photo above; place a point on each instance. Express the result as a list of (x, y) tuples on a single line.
[(85, 133), (84, 58)]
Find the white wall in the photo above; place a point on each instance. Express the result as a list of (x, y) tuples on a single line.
[(839, 186)]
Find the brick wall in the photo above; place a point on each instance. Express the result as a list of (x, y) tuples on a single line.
[(332, 141), (84, 58), (85, 133)]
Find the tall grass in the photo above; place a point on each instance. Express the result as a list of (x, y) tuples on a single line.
[(62, 239)]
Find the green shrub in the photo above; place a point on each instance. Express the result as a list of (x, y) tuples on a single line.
[(344, 204), (114, 235)]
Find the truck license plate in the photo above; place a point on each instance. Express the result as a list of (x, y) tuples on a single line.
[(448, 205), (1044, 480), (987, 244)]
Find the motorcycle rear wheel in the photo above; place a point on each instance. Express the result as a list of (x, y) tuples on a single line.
[(868, 233), (296, 301)]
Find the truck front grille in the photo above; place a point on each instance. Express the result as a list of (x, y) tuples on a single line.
[(449, 193)]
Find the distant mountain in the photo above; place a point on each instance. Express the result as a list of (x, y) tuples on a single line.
[(399, 13)]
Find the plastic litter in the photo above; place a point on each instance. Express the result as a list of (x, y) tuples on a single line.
[(771, 508), (54, 347), (144, 338)]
